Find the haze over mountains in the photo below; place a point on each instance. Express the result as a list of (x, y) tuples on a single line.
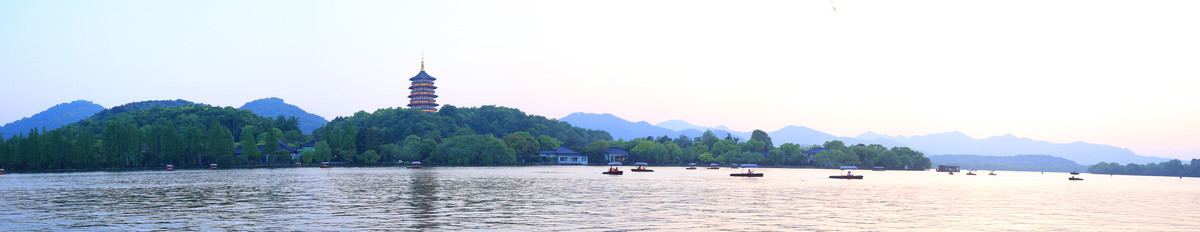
[(949, 143), (54, 117), (274, 107), (71, 112)]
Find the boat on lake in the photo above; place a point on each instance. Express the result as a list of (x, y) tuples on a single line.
[(641, 167), (877, 168), (1, 171), (613, 170), (212, 166), (749, 172), (970, 173), (947, 168), (848, 176), (733, 166), (1074, 173), (170, 167), (691, 166), (415, 165), (713, 166), (993, 173), (1074, 178)]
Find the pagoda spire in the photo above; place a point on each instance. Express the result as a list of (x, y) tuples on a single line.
[(422, 61)]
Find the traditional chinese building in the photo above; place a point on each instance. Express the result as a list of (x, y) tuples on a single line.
[(422, 91)]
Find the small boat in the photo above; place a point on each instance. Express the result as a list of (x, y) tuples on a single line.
[(951, 173), (1, 171), (877, 168), (993, 173), (1074, 173), (970, 173), (614, 170), (212, 166), (691, 166), (749, 172), (847, 177), (1074, 178), (416, 165), (713, 166), (170, 167), (733, 166), (641, 168)]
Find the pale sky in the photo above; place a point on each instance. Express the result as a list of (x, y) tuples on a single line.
[(1122, 73)]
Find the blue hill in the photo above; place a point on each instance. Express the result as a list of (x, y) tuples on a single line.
[(52, 118)]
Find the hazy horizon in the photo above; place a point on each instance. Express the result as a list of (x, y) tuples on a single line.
[(1119, 73)]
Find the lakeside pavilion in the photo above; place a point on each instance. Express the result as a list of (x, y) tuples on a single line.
[(421, 93)]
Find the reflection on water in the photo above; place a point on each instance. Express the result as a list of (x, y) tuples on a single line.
[(579, 198)]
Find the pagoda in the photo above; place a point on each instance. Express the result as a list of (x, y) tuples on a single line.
[(421, 95)]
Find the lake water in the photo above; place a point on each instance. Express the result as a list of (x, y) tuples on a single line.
[(580, 198)]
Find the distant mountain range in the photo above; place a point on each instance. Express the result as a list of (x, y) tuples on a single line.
[(274, 107), (1009, 145), (1034, 163), (52, 118), (71, 112), (932, 144)]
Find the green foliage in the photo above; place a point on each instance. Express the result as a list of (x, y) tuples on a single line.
[(322, 152), (524, 144), (761, 136), (370, 157), (474, 150), (1172, 167), (389, 152), (250, 145), (548, 143)]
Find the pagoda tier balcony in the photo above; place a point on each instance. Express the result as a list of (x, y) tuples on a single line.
[(422, 87), (429, 95), (422, 104)]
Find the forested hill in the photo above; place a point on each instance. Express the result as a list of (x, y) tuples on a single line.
[(152, 134), (275, 107), (138, 106), (52, 118), (452, 135)]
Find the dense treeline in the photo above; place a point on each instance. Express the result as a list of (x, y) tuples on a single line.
[(838, 154), (151, 134), (1173, 167), (458, 136), (141, 136)]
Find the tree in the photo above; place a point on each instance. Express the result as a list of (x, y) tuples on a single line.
[(322, 152), (370, 157), (120, 143), (389, 152), (249, 145), (548, 143), (270, 142), (761, 136), (219, 144), (835, 145), (724, 146), (595, 150), (524, 144), (708, 138)]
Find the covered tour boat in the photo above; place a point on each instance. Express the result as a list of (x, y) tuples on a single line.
[(749, 172), (613, 169), (713, 166), (212, 166), (641, 167), (877, 168), (170, 167), (1074, 178), (1074, 173), (970, 173), (691, 166), (848, 176), (415, 165), (1, 171), (992, 173)]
